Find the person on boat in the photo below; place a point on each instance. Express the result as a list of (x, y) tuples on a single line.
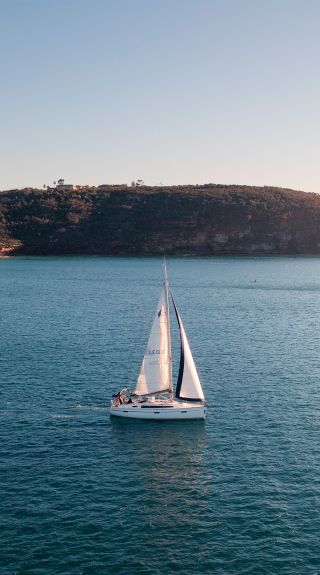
[(118, 398), (122, 397)]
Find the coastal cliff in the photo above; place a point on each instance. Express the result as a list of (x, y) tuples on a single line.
[(193, 220)]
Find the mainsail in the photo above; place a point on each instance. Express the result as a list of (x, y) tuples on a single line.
[(188, 384), (155, 372)]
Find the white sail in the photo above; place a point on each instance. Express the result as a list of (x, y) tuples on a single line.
[(155, 373), (188, 385)]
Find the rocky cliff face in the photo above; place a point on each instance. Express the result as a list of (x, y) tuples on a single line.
[(197, 220)]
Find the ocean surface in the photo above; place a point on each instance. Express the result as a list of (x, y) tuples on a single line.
[(83, 494)]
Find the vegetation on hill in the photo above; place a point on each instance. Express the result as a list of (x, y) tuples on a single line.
[(203, 220)]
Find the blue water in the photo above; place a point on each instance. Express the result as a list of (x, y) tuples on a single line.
[(83, 494)]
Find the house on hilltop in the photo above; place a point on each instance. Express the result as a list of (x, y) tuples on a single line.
[(60, 185)]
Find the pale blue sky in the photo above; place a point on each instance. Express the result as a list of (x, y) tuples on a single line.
[(172, 91)]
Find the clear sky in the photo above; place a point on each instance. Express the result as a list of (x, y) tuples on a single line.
[(171, 91)]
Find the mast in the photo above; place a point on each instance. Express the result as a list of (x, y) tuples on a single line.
[(166, 290)]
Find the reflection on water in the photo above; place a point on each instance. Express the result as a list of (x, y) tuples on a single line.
[(155, 448), (170, 478)]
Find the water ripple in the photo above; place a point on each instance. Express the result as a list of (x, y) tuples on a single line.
[(85, 495)]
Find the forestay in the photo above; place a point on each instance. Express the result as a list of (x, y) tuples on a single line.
[(155, 370)]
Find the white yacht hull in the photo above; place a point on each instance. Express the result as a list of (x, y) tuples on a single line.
[(160, 411)]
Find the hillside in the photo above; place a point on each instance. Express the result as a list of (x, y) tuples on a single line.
[(200, 220)]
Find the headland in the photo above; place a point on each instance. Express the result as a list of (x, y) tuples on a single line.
[(210, 219)]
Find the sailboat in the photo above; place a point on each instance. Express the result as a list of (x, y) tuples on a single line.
[(153, 396)]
